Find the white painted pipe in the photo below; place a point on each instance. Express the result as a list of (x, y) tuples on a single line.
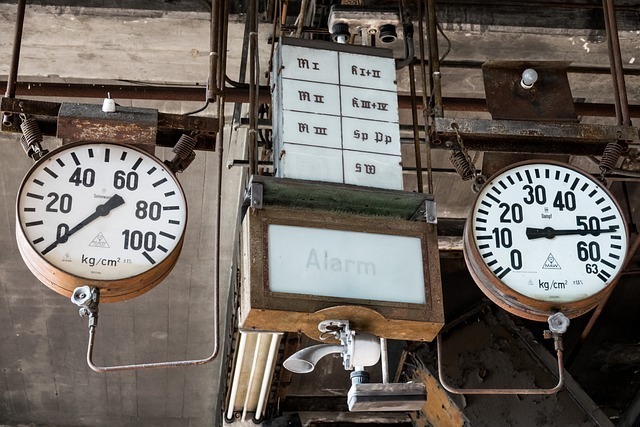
[(252, 375), (268, 373), (384, 360), (236, 376)]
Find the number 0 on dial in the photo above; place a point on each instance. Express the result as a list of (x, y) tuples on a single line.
[(545, 236), (100, 214)]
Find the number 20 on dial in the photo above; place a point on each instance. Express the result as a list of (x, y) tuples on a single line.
[(544, 236), (102, 214)]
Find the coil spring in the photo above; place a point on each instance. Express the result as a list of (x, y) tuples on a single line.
[(184, 147), (31, 131), (462, 164), (609, 160)]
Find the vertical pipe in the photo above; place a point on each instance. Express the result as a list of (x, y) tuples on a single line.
[(15, 56), (426, 103), (384, 360), (214, 28), (253, 92), (236, 376), (268, 372), (434, 58), (615, 60), (416, 129), (252, 375)]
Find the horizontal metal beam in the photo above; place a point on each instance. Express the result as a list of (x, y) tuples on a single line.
[(531, 137), (233, 94)]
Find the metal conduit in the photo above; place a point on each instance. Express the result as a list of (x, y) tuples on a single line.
[(615, 59), (217, 239)]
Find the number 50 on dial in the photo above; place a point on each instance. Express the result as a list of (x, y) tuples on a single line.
[(544, 237)]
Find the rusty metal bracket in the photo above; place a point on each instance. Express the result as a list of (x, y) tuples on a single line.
[(167, 127), (427, 212), (255, 195), (528, 137)]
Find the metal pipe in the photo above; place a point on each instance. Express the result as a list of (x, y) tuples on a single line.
[(252, 375), (195, 94), (236, 375), (416, 129), (615, 60), (384, 360), (15, 55), (434, 59), (454, 390), (214, 52), (268, 372), (301, 16), (216, 275), (253, 93), (426, 104)]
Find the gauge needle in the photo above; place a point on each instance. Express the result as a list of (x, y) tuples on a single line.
[(550, 233), (101, 210)]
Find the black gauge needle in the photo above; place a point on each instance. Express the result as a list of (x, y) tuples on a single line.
[(101, 210), (550, 233)]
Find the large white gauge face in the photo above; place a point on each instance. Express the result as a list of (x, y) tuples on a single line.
[(101, 211), (549, 232)]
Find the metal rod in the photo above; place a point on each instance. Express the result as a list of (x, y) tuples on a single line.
[(454, 390), (434, 59), (253, 93), (384, 360), (212, 82), (15, 55), (252, 375), (615, 59), (236, 375), (416, 129), (301, 16), (426, 104)]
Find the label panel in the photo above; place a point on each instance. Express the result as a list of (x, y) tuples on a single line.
[(372, 170), (312, 129), (345, 264), (367, 72), (371, 136), (314, 65)]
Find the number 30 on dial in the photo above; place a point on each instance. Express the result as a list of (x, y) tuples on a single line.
[(100, 214), (545, 237)]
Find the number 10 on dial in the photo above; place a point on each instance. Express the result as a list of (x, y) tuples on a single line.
[(544, 236), (102, 214)]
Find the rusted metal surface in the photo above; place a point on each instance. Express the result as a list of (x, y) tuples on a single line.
[(549, 98), (169, 127), (532, 137), (87, 122)]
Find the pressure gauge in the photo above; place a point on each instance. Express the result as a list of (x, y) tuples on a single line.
[(544, 237), (100, 214)]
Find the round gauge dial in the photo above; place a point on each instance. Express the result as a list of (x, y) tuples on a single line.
[(105, 214), (545, 237)]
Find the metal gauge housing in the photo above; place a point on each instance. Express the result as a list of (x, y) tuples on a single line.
[(100, 214), (544, 237)]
